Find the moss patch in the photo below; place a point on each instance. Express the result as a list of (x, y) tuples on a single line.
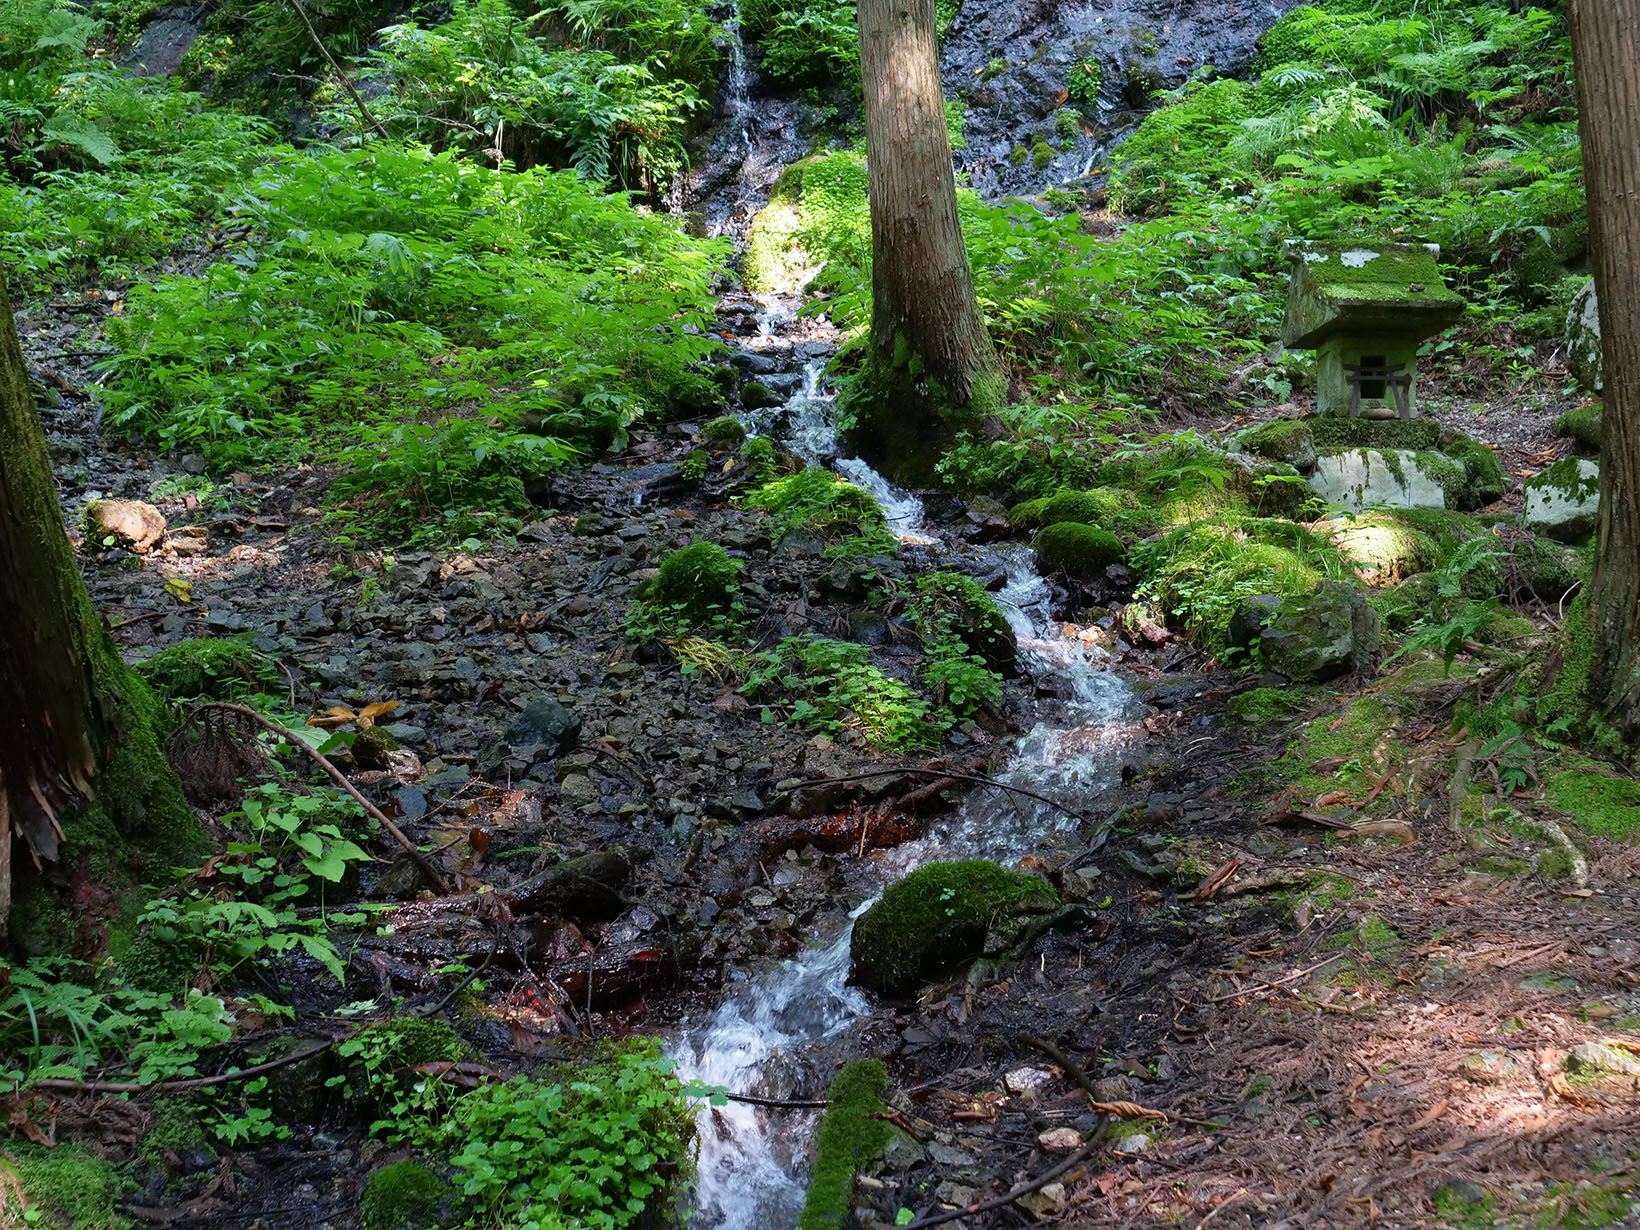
[(221, 668), (1605, 805), (1337, 750), (723, 433), (1483, 480), (403, 1196), (71, 1189), (847, 1139), (1583, 425), (700, 581), (1077, 550), (1417, 434), (1384, 548), (935, 920), (1264, 705)]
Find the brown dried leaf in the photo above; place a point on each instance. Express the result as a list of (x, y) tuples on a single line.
[(330, 719), (368, 715)]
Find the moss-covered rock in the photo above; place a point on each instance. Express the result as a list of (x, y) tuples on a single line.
[(1551, 571), (1027, 514), (723, 433), (404, 1196), (847, 1140), (1330, 432), (1077, 550), (816, 501), (763, 460), (1320, 637), (951, 604), (1384, 548), (218, 668), (1287, 440), (1079, 506), (937, 920), (1563, 500), (700, 581), (69, 1189), (1582, 424), (1483, 477), (1598, 801)]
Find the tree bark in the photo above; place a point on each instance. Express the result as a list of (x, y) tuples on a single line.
[(1605, 34), (931, 368), (73, 717)]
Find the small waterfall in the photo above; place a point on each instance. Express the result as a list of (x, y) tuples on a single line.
[(780, 1029)]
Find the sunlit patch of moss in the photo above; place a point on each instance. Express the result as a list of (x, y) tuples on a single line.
[(1349, 746), (1264, 705), (70, 1189), (1600, 803), (846, 1141)]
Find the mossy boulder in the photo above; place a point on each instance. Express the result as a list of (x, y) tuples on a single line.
[(1321, 636), (699, 581), (216, 668), (1330, 432), (1483, 477), (128, 524), (950, 603), (1563, 500), (1077, 550), (755, 395), (405, 1196), (1286, 440), (1583, 424), (723, 432), (1027, 514), (1385, 549), (846, 1142), (816, 501), (1549, 569), (938, 919)]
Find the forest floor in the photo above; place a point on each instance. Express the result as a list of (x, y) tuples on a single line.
[(1313, 1025)]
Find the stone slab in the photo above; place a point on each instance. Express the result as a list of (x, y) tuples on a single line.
[(1373, 478)]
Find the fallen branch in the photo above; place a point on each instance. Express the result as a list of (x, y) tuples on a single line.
[(337, 69), (336, 775), (954, 776), (1013, 1194), (63, 1085), (1279, 982)]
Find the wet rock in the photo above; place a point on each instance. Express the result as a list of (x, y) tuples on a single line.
[(129, 524), (1489, 1067), (545, 723), (756, 395), (1329, 633), (163, 43), (989, 518), (578, 790), (1394, 478), (1563, 501), (753, 363)]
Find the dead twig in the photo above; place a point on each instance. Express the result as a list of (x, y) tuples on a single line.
[(336, 68), (1024, 1189), (978, 779), (336, 775)]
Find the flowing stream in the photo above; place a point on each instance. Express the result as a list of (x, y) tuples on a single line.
[(774, 1024)]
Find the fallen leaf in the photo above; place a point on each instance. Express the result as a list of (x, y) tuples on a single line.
[(336, 715), (1429, 1116), (368, 715)]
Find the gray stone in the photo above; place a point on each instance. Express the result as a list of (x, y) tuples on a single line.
[(407, 734), (1331, 632), (130, 524), (547, 722), (1363, 477), (164, 42), (1597, 1059), (1563, 500), (1583, 350), (578, 790)]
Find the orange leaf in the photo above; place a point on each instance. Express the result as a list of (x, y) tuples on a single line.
[(368, 715), (336, 715)]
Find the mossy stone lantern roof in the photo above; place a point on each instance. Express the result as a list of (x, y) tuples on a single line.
[(1370, 289)]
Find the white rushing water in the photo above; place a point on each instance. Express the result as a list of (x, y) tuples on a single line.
[(757, 1041)]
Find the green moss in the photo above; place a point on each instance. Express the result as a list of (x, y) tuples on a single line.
[(816, 501), (1385, 549), (699, 580), (1484, 480), (151, 963), (817, 216), (1464, 1209), (936, 919), (847, 1139), (403, 1196), (1081, 551), (1264, 705), (1582, 424), (950, 604), (1552, 570), (1567, 474), (69, 1188), (1041, 156), (723, 433), (1601, 804), (220, 668), (1279, 439), (1401, 273), (1027, 515), (1337, 751), (178, 1130), (1331, 432)]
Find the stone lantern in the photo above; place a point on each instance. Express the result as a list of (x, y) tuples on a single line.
[(1364, 308)]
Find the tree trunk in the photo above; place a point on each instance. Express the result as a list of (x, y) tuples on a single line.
[(1605, 34), (81, 772), (931, 368)]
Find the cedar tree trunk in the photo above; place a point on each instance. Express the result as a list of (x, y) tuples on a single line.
[(82, 777), (931, 368), (1605, 36)]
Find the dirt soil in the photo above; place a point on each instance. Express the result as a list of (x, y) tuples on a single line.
[(1285, 1023)]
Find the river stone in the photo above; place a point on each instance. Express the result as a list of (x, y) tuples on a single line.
[(1563, 500), (1583, 349), (1331, 632), (1360, 478), (130, 524)]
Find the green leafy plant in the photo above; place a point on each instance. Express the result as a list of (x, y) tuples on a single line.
[(832, 685)]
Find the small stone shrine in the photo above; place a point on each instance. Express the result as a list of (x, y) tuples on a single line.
[(1364, 308)]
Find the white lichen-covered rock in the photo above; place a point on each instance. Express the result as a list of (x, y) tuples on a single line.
[(130, 524), (1564, 500), (1583, 354), (1359, 478)]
